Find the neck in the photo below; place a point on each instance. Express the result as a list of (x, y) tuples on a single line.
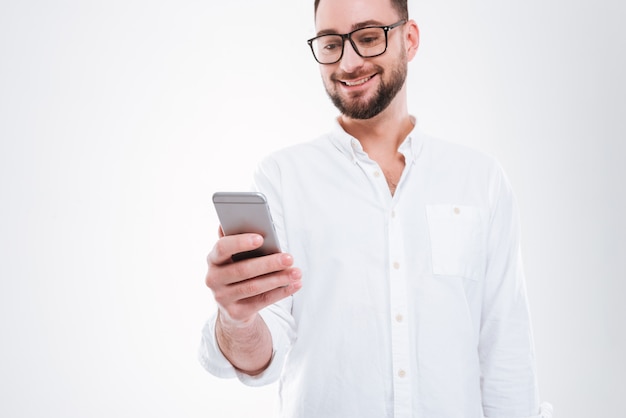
[(382, 134), (381, 137)]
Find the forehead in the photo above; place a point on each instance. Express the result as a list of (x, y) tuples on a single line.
[(342, 16)]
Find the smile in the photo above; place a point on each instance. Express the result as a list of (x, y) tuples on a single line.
[(357, 82)]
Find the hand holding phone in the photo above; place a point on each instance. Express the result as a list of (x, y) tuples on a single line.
[(241, 289)]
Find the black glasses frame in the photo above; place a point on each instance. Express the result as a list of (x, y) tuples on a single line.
[(348, 36)]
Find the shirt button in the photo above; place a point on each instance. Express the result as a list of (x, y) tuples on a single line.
[(376, 173), (401, 373), (396, 265), (457, 211), (399, 318), (393, 214)]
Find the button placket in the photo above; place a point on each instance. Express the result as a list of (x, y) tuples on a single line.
[(373, 174), (399, 324)]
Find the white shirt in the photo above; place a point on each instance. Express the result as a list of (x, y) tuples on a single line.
[(412, 305)]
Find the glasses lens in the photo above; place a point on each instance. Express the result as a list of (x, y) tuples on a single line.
[(370, 41), (327, 48)]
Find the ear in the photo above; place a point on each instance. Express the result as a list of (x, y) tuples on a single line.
[(412, 39)]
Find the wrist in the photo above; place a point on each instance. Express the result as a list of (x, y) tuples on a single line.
[(225, 321)]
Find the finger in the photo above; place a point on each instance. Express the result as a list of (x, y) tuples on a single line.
[(254, 267), (263, 284), (226, 246), (245, 308), (235, 299), (263, 300)]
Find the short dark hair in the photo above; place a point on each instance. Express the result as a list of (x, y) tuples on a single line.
[(400, 6)]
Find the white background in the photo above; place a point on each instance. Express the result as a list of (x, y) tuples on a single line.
[(119, 119)]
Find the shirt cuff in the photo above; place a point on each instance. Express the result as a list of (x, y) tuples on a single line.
[(214, 361)]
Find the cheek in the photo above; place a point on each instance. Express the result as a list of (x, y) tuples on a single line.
[(326, 77), (325, 72)]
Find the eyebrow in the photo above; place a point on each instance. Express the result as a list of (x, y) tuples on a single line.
[(355, 26)]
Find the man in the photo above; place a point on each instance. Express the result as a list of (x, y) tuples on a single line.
[(401, 293)]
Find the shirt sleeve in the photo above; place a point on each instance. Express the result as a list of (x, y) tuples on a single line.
[(506, 347), (281, 326)]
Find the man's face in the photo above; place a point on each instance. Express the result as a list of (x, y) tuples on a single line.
[(359, 87)]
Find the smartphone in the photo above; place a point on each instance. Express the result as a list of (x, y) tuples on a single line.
[(243, 212)]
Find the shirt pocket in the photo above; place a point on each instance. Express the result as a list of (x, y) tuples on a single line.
[(456, 240)]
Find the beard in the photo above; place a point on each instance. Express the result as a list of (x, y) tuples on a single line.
[(355, 107)]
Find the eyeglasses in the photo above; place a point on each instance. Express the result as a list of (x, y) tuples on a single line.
[(367, 42)]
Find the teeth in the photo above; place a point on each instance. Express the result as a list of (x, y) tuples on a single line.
[(357, 83)]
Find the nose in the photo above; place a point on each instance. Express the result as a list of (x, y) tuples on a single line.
[(350, 61)]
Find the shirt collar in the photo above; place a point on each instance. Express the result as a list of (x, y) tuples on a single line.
[(351, 147)]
